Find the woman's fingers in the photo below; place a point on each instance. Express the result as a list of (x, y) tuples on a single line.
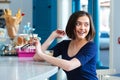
[(60, 33), (33, 41)]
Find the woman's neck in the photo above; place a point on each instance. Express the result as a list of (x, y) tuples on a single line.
[(79, 42), (75, 46)]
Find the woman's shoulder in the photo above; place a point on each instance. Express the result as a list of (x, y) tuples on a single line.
[(62, 44), (65, 41), (91, 44)]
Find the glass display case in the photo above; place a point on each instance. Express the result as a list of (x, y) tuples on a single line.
[(2, 20)]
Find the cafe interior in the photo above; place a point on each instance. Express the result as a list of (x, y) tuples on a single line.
[(38, 18)]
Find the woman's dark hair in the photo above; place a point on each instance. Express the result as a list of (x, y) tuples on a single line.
[(72, 24)]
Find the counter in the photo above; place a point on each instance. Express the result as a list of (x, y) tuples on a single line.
[(112, 77), (14, 68)]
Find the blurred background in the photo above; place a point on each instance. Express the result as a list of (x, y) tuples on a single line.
[(48, 15)]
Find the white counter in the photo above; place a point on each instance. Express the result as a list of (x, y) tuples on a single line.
[(112, 77), (14, 68)]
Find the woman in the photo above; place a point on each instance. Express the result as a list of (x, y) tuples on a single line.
[(78, 54)]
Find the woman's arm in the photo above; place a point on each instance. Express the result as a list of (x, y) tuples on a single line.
[(55, 34), (67, 65), (64, 64), (46, 44)]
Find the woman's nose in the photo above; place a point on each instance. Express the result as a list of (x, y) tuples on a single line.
[(82, 26)]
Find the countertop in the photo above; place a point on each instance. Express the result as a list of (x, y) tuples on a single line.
[(15, 68), (112, 77)]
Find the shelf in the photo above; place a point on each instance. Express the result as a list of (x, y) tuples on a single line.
[(4, 1)]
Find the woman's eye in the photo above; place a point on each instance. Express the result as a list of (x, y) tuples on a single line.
[(78, 23), (86, 24)]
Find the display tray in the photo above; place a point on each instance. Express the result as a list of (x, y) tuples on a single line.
[(9, 54), (25, 52), (19, 54)]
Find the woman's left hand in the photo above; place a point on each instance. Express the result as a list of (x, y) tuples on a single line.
[(58, 33)]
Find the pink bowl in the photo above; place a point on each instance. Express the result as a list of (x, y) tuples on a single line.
[(25, 52)]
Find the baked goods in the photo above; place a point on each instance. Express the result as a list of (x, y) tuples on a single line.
[(12, 22), (21, 39)]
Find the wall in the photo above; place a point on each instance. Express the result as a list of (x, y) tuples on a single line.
[(114, 34), (64, 10), (26, 7), (4, 5)]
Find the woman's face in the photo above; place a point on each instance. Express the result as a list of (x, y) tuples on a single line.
[(82, 27)]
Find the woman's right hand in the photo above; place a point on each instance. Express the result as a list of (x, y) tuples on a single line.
[(36, 57)]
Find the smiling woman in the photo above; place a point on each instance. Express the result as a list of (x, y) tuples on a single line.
[(78, 53)]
